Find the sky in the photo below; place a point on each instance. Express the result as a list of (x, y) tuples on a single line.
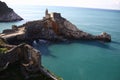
[(104, 4)]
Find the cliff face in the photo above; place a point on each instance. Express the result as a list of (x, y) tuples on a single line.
[(7, 14), (4, 8), (22, 61)]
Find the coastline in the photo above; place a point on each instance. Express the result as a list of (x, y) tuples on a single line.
[(106, 50)]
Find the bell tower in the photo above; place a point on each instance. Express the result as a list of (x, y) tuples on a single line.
[(46, 12)]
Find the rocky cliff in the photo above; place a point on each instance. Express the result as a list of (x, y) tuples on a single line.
[(22, 61), (7, 14), (52, 27)]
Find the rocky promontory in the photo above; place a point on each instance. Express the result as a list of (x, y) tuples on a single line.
[(52, 27), (7, 14)]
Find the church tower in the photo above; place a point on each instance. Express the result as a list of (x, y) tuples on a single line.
[(46, 12)]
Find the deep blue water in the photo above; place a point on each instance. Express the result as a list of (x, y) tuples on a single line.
[(84, 60)]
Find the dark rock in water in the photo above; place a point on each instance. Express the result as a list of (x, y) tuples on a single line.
[(7, 14), (104, 37)]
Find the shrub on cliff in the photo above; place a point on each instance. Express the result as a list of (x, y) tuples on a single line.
[(2, 42), (3, 50)]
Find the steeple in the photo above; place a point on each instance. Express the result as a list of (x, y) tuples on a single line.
[(46, 12)]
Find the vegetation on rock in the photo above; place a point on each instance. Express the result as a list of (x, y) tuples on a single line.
[(3, 50)]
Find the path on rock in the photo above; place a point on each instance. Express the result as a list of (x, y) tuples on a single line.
[(20, 31)]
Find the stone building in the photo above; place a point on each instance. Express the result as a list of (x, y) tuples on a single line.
[(52, 15)]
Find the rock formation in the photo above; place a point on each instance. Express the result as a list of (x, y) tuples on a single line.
[(26, 60), (52, 27), (7, 14)]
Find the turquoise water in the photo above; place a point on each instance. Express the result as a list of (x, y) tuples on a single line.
[(79, 60)]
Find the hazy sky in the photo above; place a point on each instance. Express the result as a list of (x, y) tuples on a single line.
[(107, 4)]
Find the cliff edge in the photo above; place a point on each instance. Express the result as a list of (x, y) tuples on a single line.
[(7, 14), (22, 62)]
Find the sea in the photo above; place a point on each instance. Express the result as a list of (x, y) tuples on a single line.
[(79, 60)]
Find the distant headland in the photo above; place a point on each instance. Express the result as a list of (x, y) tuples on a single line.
[(7, 14)]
